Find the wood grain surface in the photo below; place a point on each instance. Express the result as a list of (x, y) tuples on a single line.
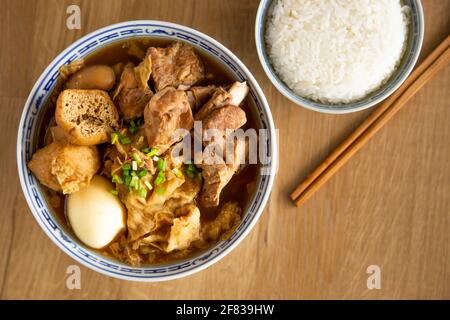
[(389, 206)]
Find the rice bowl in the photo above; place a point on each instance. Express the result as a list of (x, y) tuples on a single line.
[(336, 51), (333, 93)]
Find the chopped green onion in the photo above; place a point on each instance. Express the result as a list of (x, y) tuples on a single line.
[(128, 180), (136, 158), (160, 178), (145, 150), (142, 173), (161, 164), (126, 166), (142, 192), (134, 165), (191, 171), (117, 136), (148, 184), (116, 179), (150, 152), (134, 182), (132, 130), (124, 139), (114, 192), (141, 139), (160, 190), (177, 172), (114, 137), (132, 127)]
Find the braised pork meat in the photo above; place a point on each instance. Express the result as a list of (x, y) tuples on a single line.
[(175, 65), (166, 113)]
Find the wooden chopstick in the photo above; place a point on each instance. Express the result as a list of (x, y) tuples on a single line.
[(371, 119), (427, 69)]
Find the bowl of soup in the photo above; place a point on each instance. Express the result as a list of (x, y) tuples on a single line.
[(146, 151)]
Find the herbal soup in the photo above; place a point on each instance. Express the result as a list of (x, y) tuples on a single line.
[(110, 159)]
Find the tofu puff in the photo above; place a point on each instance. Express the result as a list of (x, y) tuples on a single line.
[(65, 167)]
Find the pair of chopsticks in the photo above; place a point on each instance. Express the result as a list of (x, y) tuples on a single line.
[(436, 61)]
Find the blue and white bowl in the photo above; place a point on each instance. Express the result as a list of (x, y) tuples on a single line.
[(414, 45), (27, 142)]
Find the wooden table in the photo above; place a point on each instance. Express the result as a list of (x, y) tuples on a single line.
[(389, 206)]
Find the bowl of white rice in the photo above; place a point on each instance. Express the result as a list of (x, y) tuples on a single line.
[(338, 56)]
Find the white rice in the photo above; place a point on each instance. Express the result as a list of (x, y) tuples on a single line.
[(336, 51)]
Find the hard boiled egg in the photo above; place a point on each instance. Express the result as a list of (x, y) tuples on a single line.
[(95, 214)]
